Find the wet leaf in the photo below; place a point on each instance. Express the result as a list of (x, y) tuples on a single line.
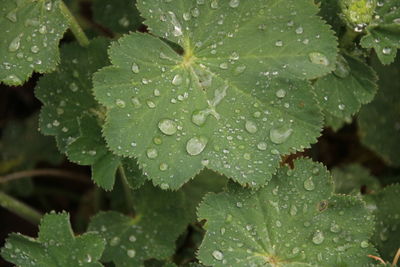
[(160, 218), (31, 31), (383, 33), (295, 220), (234, 102), (55, 245)]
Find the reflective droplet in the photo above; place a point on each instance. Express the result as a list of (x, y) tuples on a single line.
[(234, 3), (341, 106), (318, 237), (150, 104), (163, 166), (280, 93), (364, 244), (12, 79), (152, 153), (279, 43), (136, 103), (386, 51), (177, 80), (120, 103), (199, 117), (309, 184), (164, 186), (15, 44), (247, 156), (280, 135), (115, 241), (132, 238), (214, 4), (156, 92), (12, 15), (262, 146), (157, 140), (251, 127), (293, 210), (335, 228), (342, 67), (299, 30), (239, 69), (196, 145), (318, 58), (35, 49), (218, 255), (135, 68), (131, 253), (167, 126), (223, 66)]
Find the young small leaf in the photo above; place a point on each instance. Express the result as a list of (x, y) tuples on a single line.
[(383, 33), (294, 220), (31, 31), (234, 102), (352, 84), (160, 218), (55, 246)]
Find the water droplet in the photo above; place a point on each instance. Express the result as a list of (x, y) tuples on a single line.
[(364, 244), (199, 117), (196, 145), (152, 153), (299, 30), (167, 126), (12, 15), (157, 140), (386, 51), (262, 146), (136, 103), (280, 135), (163, 166), (280, 93), (218, 255), (293, 210), (132, 238), (223, 65), (195, 12), (35, 49), (120, 103), (164, 186), (342, 67), (318, 237), (177, 80), (214, 4), (335, 228), (150, 104), (15, 44), (309, 184), (341, 106), (251, 127), (135, 68), (12, 79), (318, 58), (234, 3), (239, 69), (279, 43), (295, 250), (43, 29), (48, 5), (131, 253), (186, 16), (156, 92), (114, 241), (247, 156)]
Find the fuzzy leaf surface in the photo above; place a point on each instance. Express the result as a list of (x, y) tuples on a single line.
[(379, 121), (352, 84), (55, 246), (160, 218), (72, 115), (31, 32), (295, 220), (119, 16), (383, 33), (236, 100)]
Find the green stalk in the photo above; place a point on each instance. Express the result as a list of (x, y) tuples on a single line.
[(19, 208), (127, 190), (347, 40), (74, 25)]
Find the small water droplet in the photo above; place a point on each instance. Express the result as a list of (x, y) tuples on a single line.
[(239, 69), (218, 255), (262, 146), (335, 228), (199, 117), (157, 140), (299, 30), (15, 44), (342, 67), (120, 103), (167, 126), (223, 65), (152, 153), (234, 3), (135, 68), (12, 15), (196, 145), (35, 49), (131, 253), (156, 92), (280, 93), (318, 237), (136, 103), (115, 241), (163, 166), (386, 51), (318, 58), (341, 106), (309, 184), (293, 210), (164, 186), (132, 238), (150, 104), (280, 135), (364, 244), (279, 43), (251, 127), (214, 4), (177, 80)]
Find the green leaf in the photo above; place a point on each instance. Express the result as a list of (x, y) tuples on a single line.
[(234, 102), (119, 16), (379, 121), (55, 246), (352, 84), (31, 32), (352, 178), (330, 10), (383, 33), (334, 122), (387, 213), (160, 219), (293, 221)]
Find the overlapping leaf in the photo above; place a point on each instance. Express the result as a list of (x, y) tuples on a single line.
[(160, 219), (234, 102), (55, 246), (352, 84), (31, 31), (118, 16), (72, 115), (383, 33), (387, 212), (379, 121), (293, 221)]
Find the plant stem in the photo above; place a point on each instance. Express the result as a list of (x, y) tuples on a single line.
[(44, 172), (19, 208), (74, 25), (348, 38), (127, 190)]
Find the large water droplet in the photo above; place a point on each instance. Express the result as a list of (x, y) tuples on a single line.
[(318, 237), (280, 135), (135, 68), (280, 93), (218, 255), (196, 145), (251, 127), (177, 80), (167, 126), (309, 184), (386, 51), (318, 58), (152, 153), (199, 117), (342, 67), (15, 44)]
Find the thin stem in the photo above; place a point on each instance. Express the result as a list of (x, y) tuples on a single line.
[(396, 258), (348, 38), (74, 25), (44, 172), (127, 190), (19, 208)]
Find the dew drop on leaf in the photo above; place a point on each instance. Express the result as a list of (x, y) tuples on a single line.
[(120, 103), (167, 126), (386, 51), (15, 44), (177, 80), (163, 166), (164, 186), (364, 244), (342, 68), (262, 146), (35, 49), (234, 3), (131, 253), (199, 117), (135, 68), (136, 103), (318, 58), (251, 127), (152, 153), (115, 241), (309, 184), (218, 255), (280, 135), (281, 93), (196, 145), (318, 237)]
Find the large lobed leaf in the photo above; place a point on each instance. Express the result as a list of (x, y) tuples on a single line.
[(55, 246), (160, 218), (72, 115), (295, 220), (31, 31), (234, 102)]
